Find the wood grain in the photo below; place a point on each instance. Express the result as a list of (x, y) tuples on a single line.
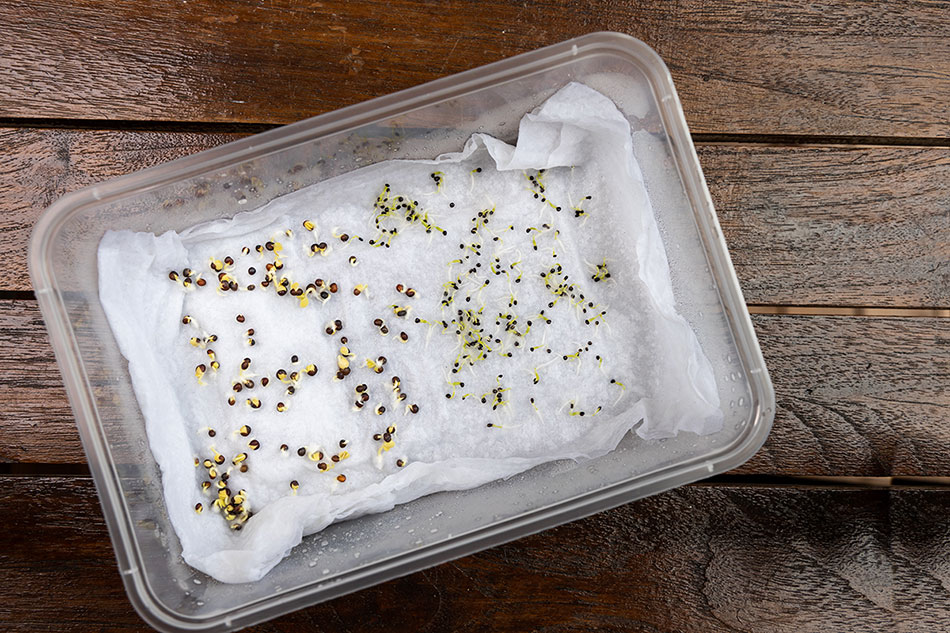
[(840, 226), (855, 68), (696, 559), (856, 396)]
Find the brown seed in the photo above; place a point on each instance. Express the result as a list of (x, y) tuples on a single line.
[(294, 485), (284, 447), (377, 436), (400, 463), (343, 340), (250, 331), (301, 451), (211, 433), (245, 363), (403, 337), (341, 478), (294, 358), (237, 387), (335, 458), (322, 466), (384, 330), (245, 430), (364, 397), (201, 282), (360, 388), (334, 287), (338, 324), (265, 381), (410, 292), (342, 443), (414, 408), (400, 287), (387, 437), (378, 322), (254, 444), (330, 331), (340, 375), (240, 318)]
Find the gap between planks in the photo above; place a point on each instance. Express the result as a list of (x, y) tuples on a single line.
[(13, 469), (699, 138)]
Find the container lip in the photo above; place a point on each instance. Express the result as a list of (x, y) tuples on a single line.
[(141, 594)]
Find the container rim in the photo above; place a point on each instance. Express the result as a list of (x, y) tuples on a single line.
[(105, 476)]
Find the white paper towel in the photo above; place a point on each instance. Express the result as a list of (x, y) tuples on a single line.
[(622, 355)]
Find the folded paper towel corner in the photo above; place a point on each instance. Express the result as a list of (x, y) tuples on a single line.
[(402, 329)]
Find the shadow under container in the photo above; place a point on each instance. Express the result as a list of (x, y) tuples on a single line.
[(418, 123)]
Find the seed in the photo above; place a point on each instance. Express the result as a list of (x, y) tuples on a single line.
[(211, 433), (294, 485), (410, 292), (198, 508), (403, 337), (322, 466), (239, 458), (231, 400), (353, 260), (254, 445), (240, 318), (341, 478), (281, 407), (201, 282), (387, 437), (342, 443), (335, 458), (342, 362), (301, 451), (400, 463), (265, 381), (294, 358), (334, 287), (377, 437), (390, 429), (364, 397), (414, 408), (377, 322), (400, 288), (307, 224), (283, 448), (316, 456), (311, 370), (380, 409), (243, 467)]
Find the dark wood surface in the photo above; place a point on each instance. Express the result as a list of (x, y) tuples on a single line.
[(822, 131), (824, 67), (702, 558)]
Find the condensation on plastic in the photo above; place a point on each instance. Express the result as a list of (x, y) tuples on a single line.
[(417, 123)]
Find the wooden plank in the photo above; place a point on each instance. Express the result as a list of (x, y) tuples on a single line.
[(700, 558), (797, 68), (841, 226), (838, 226), (856, 396)]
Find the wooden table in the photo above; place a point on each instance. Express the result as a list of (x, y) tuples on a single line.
[(824, 132)]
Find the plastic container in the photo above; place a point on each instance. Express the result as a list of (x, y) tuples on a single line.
[(417, 123)]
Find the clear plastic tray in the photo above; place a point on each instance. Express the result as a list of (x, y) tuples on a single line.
[(421, 122)]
